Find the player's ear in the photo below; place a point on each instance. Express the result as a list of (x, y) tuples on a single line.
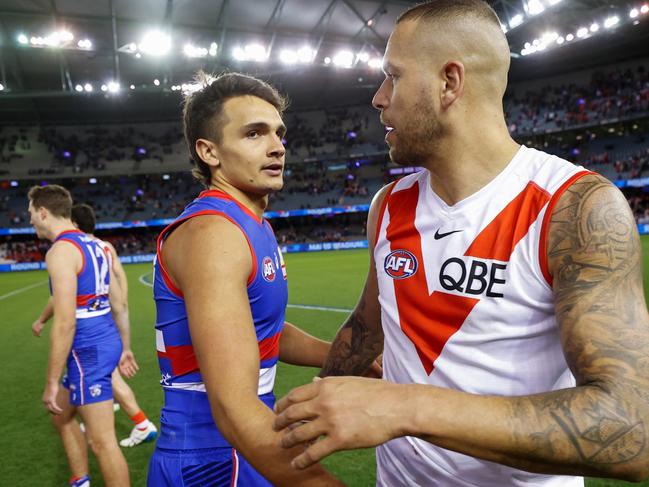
[(208, 152)]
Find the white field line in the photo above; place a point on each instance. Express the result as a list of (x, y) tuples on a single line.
[(22, 289), (298, 306)]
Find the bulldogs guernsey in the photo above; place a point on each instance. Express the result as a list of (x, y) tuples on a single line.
[(186, 419), (467, 304), (94, 320)]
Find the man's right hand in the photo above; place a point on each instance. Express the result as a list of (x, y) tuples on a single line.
[(37, 327)]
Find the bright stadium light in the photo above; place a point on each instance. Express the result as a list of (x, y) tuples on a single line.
[(22, 39), (553, 2), (132, 87), (582, 32), (594, 27), (535, 7), (288, 56), (375, 63), (155, 43), (87, 87), (515, 21), (634, 13), (644, 9), (252, 52), (344, 59), (213, 49), (113, 87), (84, 44), (78, 88), (363, 57), (104, 88), (569, 37), (305, 54), (549, 37), (2, 87), (193, 51), (560, 40), (611, 22), (156, 82)]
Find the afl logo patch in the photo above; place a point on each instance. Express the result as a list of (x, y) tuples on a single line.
[(268, 269), (400, 264)]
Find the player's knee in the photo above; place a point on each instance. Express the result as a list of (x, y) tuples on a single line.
[(99, 444)]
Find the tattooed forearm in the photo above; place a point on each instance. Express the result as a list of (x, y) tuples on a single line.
[(595, 259), (355, 347)]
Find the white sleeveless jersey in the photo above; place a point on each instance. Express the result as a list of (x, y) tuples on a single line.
[(467, 304)]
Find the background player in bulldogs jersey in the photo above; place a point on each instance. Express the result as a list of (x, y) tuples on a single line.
[(83, 334), (83, 217), (505, 290), (220, 291)]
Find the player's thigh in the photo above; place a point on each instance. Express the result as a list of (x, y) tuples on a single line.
[(216, 467), (99, 420)]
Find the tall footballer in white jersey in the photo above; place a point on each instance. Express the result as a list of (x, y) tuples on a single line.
[(504, 290)]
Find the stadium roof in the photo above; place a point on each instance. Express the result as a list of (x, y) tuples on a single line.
[(53, 49)]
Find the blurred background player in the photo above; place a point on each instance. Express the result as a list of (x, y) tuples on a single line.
[(220, 288), (84, 335), (83, 217)]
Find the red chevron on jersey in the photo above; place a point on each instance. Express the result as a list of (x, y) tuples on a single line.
[(181, 358), (498, 239), (428, 320)]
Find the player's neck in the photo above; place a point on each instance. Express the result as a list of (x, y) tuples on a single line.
[(465, 164), (257, 204), (58, 227)]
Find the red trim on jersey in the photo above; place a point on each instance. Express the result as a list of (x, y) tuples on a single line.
[(428, 320), (83, 256), (235, 469), (182, 358), (384, 203), (215, 193), (165, 276), (84, 299), (78, 362), (269, 347), (543, 240), (499, 238)]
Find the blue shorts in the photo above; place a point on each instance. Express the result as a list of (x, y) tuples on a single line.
[(90, 370), (213, 467)]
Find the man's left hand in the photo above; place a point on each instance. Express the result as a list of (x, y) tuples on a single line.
[(127, 364), (350, 412), (49, 398)]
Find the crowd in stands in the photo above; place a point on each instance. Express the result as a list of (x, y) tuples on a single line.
[(619, 93)]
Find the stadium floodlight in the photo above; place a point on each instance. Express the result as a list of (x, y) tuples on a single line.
[(14, 184), (113, 86), (87, 87), (327, 60), (549, 37), (84, 44), (560, 40), (375, 63), (288, 56), (535, 7), (594, 27), (515, 21), (104, 88), (92, 180), (644, 9), (251, 52), (2, 87), (78, 88), (634, 13), (363, 57), (611, 22), (193, 51), (156, 82), (132, 87), (213, 49), (569, 37), (553, 2), (305, 54), (582, 32), (22, 39), (344, 59), (155, 43)]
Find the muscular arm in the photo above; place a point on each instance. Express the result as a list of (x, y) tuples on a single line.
[(296, 347), (63, 262), (360, 340), (46, 314), (598, 428), (119, 307), (208, 258)]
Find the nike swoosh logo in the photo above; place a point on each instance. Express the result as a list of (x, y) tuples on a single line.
[(442, 235)]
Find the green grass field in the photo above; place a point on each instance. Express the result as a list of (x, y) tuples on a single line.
[(31, 450)]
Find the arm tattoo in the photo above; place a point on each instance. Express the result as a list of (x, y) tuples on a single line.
[(355, 347), (595, 258)]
